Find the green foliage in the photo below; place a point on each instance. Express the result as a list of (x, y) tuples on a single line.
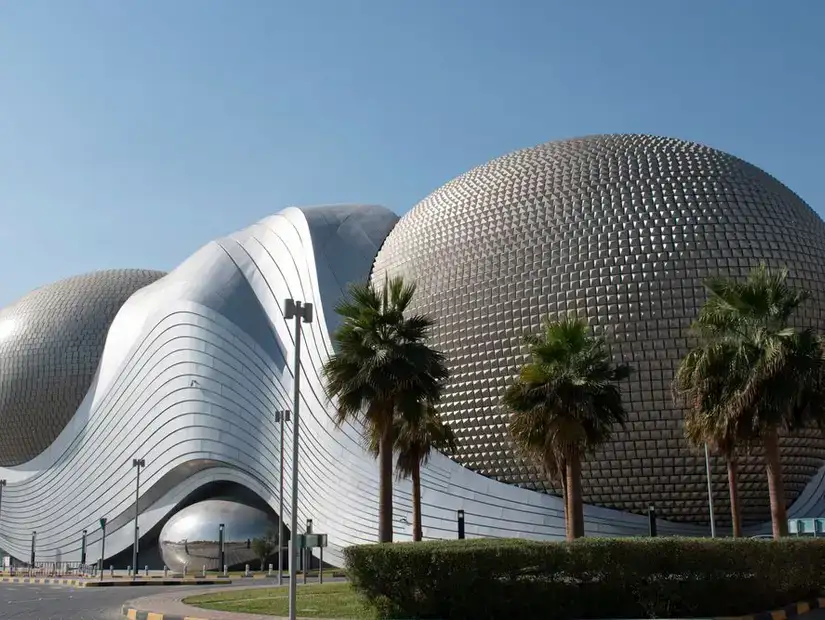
[(751, 372), (589, 578), (382, 363), (565, 400), (265, 546)]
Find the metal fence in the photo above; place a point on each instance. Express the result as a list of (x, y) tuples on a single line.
[(52, 569)]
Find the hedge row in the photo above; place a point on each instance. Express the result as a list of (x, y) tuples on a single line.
[(590, 578)]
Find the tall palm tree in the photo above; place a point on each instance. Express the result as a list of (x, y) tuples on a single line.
[(382, 366), (772, 377), (417, 433), (565, 403), (701, 382)]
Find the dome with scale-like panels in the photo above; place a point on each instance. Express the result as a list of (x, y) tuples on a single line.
[(51, 341), (621, 229)]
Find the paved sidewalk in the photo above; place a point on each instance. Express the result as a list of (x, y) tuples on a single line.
[(170, 606)]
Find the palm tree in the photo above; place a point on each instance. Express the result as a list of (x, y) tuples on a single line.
[(565, 403), (772, 376), (700, 382), (382, 366), (417, 433)]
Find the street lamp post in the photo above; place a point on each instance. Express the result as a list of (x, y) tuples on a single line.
[(2, 484), (710, 493), (281, 417), (297, 311), (221, 546), (137, 463), (83, 551), (102, 545)]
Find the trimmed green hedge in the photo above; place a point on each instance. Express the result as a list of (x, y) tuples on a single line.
[(591, 578)]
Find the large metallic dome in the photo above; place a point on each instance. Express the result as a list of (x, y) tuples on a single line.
[(51, 341), (621, 229)]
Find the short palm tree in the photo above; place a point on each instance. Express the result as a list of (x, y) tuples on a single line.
[(565, 403), (417, 433), (773, 373), (381, 365), (700, 383)]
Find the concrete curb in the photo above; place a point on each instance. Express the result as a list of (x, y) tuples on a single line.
[(789, 611), (131, 613), (90, 583), (42, 580)]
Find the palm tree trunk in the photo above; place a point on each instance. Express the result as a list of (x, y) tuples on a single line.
[(574, 510), (385, 458), (416, 482), (776, 490), (733, 484)]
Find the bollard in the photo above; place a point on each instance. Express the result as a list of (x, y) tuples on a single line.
[(203, 571), (246, 571), (651, 517), (225, 572), (165, 572), (146, 570), (269, 572)]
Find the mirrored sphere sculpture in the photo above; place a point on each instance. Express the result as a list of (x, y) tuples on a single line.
[(191, 537)]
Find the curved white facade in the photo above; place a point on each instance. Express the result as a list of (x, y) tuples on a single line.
[(191, 374)]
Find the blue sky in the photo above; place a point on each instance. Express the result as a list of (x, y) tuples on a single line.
[(133, 132)]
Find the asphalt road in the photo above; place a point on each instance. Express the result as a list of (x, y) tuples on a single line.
[(47, 602)]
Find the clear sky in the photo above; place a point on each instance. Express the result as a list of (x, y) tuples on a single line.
[(134, 131)]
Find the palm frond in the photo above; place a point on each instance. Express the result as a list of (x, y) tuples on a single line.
[(751, 372), (382, 365), (565, 401)]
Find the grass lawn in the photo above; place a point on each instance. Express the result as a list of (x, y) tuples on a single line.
[(328, 600)]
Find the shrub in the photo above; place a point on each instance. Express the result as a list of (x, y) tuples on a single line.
[(589, 578)]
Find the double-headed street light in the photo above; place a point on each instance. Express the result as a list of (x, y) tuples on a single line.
[(297, 311), (138, 463)]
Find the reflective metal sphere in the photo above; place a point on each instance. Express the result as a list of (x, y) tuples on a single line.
[(51, 341), (191, 537), (621, 230)]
